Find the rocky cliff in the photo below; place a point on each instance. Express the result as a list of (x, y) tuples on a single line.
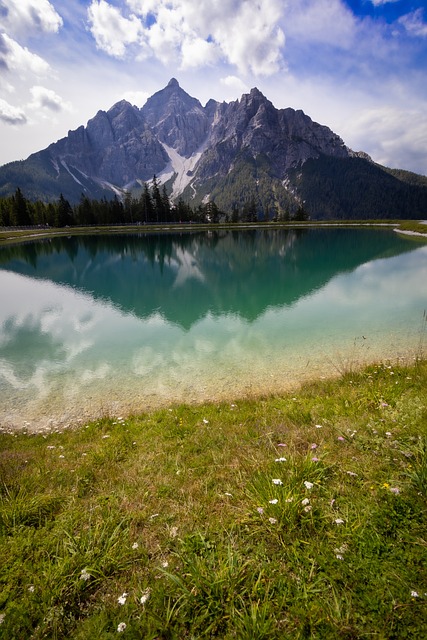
[(232, 153)]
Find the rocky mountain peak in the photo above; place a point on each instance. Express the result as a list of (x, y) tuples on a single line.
[(177, 119), (256, 93), (173, 83), (118, 107), (227, 152)]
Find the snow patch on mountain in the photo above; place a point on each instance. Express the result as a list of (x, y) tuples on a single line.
[(182, 167), (67, 168), (109, 185), (55, 164)]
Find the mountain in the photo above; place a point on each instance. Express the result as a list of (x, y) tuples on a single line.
[(193, 275), (242, 154)]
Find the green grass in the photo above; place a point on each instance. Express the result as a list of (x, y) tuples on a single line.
[(12, 235), (413, 225), (176, 513)]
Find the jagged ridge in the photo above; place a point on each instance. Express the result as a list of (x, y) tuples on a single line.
[(245, 150)]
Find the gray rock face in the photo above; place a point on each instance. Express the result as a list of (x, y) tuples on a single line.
[(126, 145), (285, 137), (177, 119), (116, 147)]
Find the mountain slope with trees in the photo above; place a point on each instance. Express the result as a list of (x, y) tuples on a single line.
[(246, 158)]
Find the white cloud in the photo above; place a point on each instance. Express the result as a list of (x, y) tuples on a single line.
[(48, 99), (235, 83), (16, 58), (322, 21), (6, 86), (143, 7), (378, 3), (138, 98), (166, 35), (394, 136), (10, 114), (111, 30), (197, 52), (24, 15), (414, 24), (251, 38), (245, 34)]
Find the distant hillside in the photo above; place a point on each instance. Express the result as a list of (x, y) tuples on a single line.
[(353, 188)]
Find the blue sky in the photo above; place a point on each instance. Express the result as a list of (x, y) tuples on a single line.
[(358, 66)]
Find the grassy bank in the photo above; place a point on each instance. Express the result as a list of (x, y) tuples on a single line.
[(12, 235), (299, 516)]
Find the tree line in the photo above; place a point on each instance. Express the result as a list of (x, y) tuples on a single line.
[(152, 206)]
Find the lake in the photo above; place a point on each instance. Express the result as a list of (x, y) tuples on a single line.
[(116, 324)]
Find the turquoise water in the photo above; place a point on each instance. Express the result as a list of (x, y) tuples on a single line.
[(121, 324)]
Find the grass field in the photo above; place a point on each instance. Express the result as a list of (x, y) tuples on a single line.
[(296, 516)]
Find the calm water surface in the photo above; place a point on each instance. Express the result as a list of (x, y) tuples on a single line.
[(117, 324)]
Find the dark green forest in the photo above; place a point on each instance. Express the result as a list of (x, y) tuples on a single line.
[(325, 188), (355, 189), (152, 206)]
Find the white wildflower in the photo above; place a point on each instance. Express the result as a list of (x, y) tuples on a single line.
[(277, 481), (260, 510), (2, 617), (31, 588), (280, 460), (339, 521), (274, 501), (339, 556), (308, 485), (351, 473), (85, 575), (135, 545), (145, 596), (121, 627), (205, 421), (308, 508), (318, 426), (305, 501), (414, 594), (272, 520), (122, 599)]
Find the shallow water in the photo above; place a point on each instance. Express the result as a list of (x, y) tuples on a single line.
[(122, 324)]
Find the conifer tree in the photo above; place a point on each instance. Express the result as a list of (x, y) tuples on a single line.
[(157, 200), (64, 213), (20, 216)]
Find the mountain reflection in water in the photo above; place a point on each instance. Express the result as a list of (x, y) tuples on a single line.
[(186, 275), (125, 322)]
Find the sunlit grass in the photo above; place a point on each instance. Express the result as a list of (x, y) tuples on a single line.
[(294, 516)]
